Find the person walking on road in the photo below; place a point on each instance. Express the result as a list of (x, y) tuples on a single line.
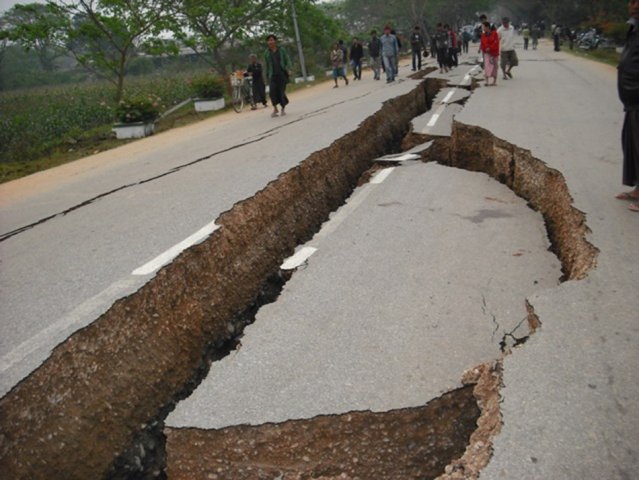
[(628, 87), (337, 62), (453, 47), (489, 46), (534, 35), (344, 54), (417, 47), (466, 37), (374, 50), (357, 53), (556, 36), (507, 47), (259, 89), (390, 50), (442, 43), (525, 33), (278, 67)]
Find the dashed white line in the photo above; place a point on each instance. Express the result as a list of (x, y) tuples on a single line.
[(298, 259), (470, 72), (174, 251), (382, 175), (435, 117), (449, 96)]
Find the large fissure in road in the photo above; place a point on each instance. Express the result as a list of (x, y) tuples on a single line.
[(95, 408), (76, 415)]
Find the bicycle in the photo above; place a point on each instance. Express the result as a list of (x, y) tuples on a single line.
[(242, 91)]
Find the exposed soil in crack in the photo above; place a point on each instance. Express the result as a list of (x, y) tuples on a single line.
[(82, 411), (406, 443), (487, 381), (95, 408), (476, 149)]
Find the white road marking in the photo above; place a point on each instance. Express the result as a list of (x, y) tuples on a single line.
[(398, 157), (382, 175), (470, 72), (435, 117), (81, 316), (449, 96), (174, 251), (298, 259)]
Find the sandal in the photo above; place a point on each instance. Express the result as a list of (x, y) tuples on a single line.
[(627, 196), (634, 207)]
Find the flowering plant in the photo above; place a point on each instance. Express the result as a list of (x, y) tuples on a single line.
[(207, 86), (138, 108)]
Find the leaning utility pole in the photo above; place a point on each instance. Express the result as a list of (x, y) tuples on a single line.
[(300, 52)]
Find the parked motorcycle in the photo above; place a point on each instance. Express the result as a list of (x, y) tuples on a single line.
[(589, 40)]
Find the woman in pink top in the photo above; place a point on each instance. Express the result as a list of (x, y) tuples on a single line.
[(489, 46)]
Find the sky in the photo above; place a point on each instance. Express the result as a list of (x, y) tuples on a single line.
[(7, 4)]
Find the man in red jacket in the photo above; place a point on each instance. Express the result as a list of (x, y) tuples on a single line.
[(489, 46)]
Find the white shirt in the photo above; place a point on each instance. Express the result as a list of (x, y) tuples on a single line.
[(506, 38)]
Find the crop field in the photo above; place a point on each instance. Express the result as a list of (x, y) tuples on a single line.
[(41, 122)]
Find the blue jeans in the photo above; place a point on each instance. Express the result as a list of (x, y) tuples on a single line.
[(389, 66)]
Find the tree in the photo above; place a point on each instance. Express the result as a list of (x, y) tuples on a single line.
[(104, 35), (213, 28), (568, 13), (362, 15), (36, 29)]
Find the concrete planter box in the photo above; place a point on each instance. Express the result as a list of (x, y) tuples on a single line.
[(310, 78), (133, 130), (208, 104)]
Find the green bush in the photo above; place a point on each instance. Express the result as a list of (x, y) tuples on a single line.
[(207, 86), (138, 108), (616, 32)]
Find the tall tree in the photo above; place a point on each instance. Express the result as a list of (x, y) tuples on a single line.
[(104, 35), (36, 29), (212, 28), (568, 13)]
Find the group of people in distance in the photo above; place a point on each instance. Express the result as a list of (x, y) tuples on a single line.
[(383, 51)]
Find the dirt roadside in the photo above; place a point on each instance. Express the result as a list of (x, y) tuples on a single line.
[(37, 183)]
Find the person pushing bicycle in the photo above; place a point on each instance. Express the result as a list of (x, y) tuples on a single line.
[(255, 70)]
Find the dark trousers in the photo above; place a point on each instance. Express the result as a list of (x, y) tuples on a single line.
[(452, 57), (630, 147), (357, 69), (525, 44), (442, 59), (278, 90), (259, 91), (417, 59), (556, 39)]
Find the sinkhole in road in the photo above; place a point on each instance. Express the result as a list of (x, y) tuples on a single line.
[(95, 408)]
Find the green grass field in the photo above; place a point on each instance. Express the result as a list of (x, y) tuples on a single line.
[(45, 127)]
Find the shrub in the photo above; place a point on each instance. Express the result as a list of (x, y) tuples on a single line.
[(616, 31), (207, 86), (139, 108)]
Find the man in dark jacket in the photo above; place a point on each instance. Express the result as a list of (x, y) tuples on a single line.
[(417, 46), (628, 87), (357, 52), (278, 68), (374, 50)]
